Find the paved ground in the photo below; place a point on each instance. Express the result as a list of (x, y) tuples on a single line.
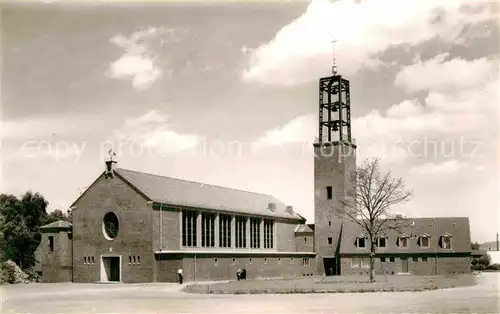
[(166, 298)]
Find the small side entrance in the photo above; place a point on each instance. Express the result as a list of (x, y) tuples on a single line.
[(404, 265), (110, 269), (331, 267)]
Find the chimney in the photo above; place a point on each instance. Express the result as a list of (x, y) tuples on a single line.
[(289, 210), (271, 207), (110, 167), (498, 244)]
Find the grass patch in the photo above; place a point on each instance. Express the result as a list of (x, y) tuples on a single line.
[(337, 284)]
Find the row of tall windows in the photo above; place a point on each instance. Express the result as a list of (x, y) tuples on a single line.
[(189, 227)]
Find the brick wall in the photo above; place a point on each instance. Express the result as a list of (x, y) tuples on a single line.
[(444, 265), (207, 268), (134, 237), (285, 234), (166, 267), (169, 232), (56, 266), (329, 170), (304, 242)]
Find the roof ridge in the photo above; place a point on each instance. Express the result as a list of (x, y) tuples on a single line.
[(57, 223), (202, 183)]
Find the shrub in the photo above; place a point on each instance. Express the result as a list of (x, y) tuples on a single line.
[(493, 267), (33, 276), (7, 273)]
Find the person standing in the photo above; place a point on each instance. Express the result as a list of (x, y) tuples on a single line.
[(179, 273)]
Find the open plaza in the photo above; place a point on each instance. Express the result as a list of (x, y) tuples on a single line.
[(169, 298)]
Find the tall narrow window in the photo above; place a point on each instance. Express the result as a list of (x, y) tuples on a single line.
[(224, 230), (361, 242), (446, 242), (329, 192), (381, 242), (207, 230), (402, 241), (241, 232), (254, 233), (51, 244), (330, 240), (268, 234), (189, 228), (423, 241)]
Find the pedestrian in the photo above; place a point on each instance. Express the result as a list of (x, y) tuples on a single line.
[(179, 273), (243, 274), (238, 274)]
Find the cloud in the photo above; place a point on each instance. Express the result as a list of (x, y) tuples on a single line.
[(448, 119), (300, 130), (301, 51), (452, 111), (437, 74), (406, 108), (151, 134), (139, 62)]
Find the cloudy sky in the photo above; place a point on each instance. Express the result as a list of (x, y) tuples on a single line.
[(227, 94)]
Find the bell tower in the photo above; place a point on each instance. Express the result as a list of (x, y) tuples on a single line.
[(334, 162)]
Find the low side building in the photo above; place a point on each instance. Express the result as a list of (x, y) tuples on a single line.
[(54, 255), (427, 246)]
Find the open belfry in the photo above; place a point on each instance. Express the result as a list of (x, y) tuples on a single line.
[(130, 226)]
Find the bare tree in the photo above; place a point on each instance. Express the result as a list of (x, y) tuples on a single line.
[(370, 196)]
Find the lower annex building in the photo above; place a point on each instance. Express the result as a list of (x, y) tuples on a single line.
[(131, 227)]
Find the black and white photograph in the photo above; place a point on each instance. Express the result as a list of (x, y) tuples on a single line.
[(308, 156)]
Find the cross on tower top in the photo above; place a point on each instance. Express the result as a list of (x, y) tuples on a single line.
[(334, 65), (111, 154)]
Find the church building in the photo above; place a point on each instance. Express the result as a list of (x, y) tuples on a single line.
[(133, 227)]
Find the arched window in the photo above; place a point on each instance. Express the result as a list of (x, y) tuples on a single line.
[(445, 241), (424, 240)]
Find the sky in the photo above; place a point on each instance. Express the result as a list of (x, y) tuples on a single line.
[(227, 94)]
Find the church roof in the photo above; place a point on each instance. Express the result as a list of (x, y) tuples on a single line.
[(172, 191), (457, 227), (60, 224), (304, 228)]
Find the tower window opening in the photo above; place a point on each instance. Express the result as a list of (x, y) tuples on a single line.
[(329, 192)]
